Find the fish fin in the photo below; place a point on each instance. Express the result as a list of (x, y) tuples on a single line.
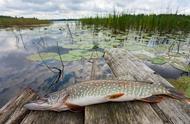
[(178, 95), (115, 96), (187, 100), (65, 98), (73, 107), (59, 109), (175, 94), (152, 99)]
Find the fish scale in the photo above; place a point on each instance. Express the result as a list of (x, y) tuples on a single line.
[(101, 91), (108, 87)]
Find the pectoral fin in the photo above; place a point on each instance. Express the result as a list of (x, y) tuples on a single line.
[(115, 96), (73, 107), (152, 99)]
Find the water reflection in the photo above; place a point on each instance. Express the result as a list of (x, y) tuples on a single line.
[(18, 73)]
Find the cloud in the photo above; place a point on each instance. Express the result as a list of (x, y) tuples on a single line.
[(81, 8)]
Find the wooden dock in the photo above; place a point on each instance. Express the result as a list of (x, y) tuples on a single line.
[(124, 66)]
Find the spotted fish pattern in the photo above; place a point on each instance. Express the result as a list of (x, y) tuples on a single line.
[(100, 91)]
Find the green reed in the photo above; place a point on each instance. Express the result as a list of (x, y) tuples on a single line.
[(163, 23)]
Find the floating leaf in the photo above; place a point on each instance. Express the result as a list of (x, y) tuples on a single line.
[(44, 56), (74, 55), (158, 60)]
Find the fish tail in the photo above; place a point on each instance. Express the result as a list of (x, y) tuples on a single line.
[(173, 93)]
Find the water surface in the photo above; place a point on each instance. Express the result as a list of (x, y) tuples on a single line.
[(25, 54)]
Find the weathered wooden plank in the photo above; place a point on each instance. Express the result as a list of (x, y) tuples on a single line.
[(122, 62), (49, 117), (121, 113), (13, 112)]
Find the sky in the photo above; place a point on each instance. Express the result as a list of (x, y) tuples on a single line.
[(56, 9)]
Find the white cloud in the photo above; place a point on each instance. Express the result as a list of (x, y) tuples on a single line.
[(81, 8)]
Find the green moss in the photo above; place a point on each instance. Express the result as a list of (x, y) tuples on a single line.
[(182, 84), (158, 60)]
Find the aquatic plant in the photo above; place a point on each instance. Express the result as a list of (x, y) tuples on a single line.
[(182, 84), (163, 23), (73, 55), (158, 60)]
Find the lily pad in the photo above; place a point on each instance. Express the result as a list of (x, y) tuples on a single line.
[(74, 55), (158, 60), (70, 46), (44, 56)]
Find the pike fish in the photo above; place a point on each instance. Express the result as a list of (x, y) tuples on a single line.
[(77, 96)]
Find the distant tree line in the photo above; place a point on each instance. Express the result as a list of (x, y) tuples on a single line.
[(8, 21)]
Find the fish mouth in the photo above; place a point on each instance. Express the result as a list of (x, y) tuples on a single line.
[(38, 105)]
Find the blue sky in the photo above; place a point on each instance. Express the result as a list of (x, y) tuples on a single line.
[(46, 9)]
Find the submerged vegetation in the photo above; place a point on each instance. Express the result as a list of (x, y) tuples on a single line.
[(7, 21), (182, 84), (164, 23), (160, 39)]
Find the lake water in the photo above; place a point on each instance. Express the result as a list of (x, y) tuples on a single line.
[(22, 67), (17, 72)]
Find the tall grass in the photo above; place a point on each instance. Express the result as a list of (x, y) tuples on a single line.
[(163, 23), (7, 21)]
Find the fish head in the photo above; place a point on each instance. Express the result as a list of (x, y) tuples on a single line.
[(41, 104), (53, 102)]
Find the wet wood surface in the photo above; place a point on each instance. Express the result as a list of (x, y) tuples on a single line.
[(13, 112), (124, 66)]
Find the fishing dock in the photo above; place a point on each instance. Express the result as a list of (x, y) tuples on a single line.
[(124, 66)]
